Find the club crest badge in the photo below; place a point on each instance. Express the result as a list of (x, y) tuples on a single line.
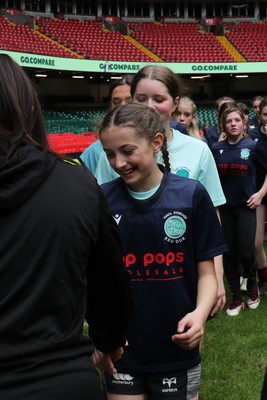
[(244, 154), (175, 227)]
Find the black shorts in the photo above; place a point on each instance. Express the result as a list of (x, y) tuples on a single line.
[(176, 385)]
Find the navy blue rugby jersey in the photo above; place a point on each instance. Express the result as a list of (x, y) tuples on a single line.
[(163, 239), (261, 172), (178, 126), (212, 134), (253, 122), (255, 133), (238, 165)]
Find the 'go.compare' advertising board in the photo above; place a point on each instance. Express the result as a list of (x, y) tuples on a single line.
[(85, 65)]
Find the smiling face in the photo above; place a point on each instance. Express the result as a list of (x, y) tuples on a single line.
[(132, 156), (154, 93), (233, 125)]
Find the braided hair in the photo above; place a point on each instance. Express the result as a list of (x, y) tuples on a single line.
[(144, 120)]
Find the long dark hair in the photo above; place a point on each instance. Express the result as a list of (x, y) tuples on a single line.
[(21, 117), (145, 121)]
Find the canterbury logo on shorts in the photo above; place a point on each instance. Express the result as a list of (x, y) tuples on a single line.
[(125, 379)]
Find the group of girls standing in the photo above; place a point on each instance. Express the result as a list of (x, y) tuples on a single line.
[(172, 241), (243, 188), (170, 236), (169, 247)]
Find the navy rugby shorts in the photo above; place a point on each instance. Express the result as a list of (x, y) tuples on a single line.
[(175, 385)]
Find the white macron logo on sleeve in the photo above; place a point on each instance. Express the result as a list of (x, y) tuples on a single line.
[(117, 218)]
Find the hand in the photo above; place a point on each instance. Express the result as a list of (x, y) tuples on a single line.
[(222, 136), (117, 354), (254, 201), (221, 297), (190, 332), (264, 129), (105, 361)]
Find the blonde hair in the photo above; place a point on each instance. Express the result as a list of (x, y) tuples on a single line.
[(192, 129)]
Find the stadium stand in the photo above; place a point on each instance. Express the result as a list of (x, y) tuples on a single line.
[(88, 39), (69, 143), (22, 38), (180, 42), (147, 42), (250, 39), (183, 40), (76, 121), (73, 131)]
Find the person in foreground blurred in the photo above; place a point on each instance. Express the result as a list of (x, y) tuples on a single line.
[(60, 263)]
